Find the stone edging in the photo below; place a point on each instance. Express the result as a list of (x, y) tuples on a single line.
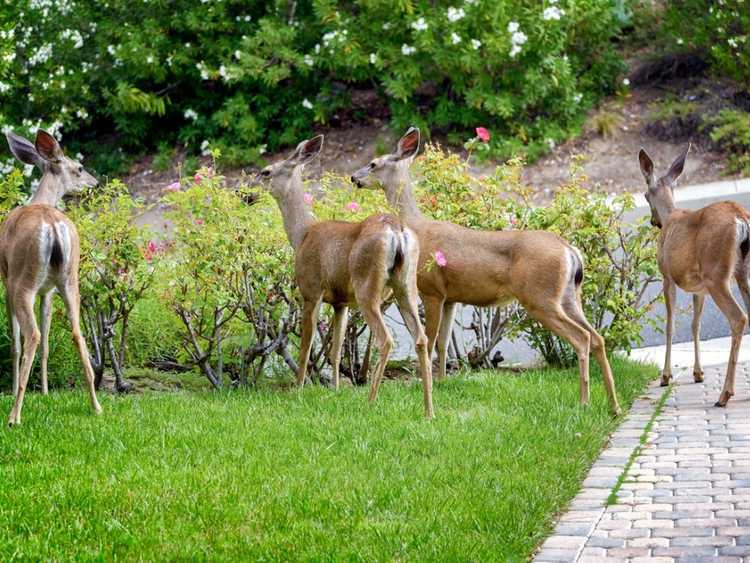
[(584, 512)]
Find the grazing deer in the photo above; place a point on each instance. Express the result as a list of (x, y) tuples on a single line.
[(538, 269), (344, 264), (700, 252), (39, 253)]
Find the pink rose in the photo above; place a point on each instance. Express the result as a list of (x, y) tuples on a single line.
[(483, 134), (440, 258), (352, 206), (308, 198), (152, 246), (173, 187), (199, 222)]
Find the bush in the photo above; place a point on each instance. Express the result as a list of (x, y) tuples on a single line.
[(730, 130), (245, 76), (717, 29)]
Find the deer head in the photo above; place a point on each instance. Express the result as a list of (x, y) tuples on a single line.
[(660, 193), (61, 175), (277, 177), (385, 171)]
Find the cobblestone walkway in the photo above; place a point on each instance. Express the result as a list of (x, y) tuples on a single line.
[(686, 497)]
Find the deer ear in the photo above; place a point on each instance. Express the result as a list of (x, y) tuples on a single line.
[(408, 145), (307, 150), (23, 150), (47, 146), (677, 166), (647, 166)]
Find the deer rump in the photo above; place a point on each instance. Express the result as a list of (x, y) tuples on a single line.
[(48, 236), (380, 244)]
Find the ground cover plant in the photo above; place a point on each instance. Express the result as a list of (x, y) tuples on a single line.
[(304, 475)]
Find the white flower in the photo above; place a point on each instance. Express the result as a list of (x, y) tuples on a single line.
[(224, 73), (191, 114), (626, 81), (4, 87), (386, 26), (514, 50), (150, 59), (262, 149), (732, 42), (373, 58), (455, 14), (111, 49), (82, 113), (512, 27), (408, 49), (205, 148), (553, 13), (307, 104), (550, 143), (237, 54), (309, 60), (79, 157), (519, 38), (680, 41), (577, 98), (10, 57), (476, 43), (470, 2), (455, 38), (419, 25)]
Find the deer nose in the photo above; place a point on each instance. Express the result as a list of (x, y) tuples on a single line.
[(356, 181)]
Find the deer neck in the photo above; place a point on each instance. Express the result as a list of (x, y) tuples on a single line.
[(48, 192), (664, 206), (296, 213), (400, 194)]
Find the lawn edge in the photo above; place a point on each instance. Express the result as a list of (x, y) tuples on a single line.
[(604, 478)]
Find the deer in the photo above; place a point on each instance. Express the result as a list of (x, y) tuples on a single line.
[(700, 252), (348, 264), (40, 253), (538, 269)]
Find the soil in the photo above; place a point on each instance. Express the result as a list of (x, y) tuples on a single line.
[(609, 141)]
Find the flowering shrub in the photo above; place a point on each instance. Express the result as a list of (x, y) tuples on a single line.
[(116, 271), (245, 76), (719, 29)]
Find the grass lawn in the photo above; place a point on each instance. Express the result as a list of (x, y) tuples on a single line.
[(305, 475)]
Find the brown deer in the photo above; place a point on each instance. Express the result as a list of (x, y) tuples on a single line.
[(484, 268), (346, 264), (39, 252), (700, 252)]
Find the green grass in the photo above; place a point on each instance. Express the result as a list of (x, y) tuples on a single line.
[(307, 475)]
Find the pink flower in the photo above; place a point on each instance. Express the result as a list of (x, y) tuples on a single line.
[(352, 206), (152, 246), (199, 222), (483, 134), (308, 198), (173, 187), (440, 258)]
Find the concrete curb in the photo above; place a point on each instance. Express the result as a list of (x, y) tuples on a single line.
[(703, 191)]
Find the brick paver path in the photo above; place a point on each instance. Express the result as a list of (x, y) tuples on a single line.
[(686, 497)]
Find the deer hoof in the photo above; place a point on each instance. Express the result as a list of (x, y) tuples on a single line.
[(666, 378), (698, 376)]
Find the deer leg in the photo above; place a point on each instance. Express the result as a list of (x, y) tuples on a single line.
[(383, 339), (574, 309), (15, 341), (446, 327), (433, 313), (24, 310), (737, 318), (309, 318), (407, 304), (669, 299), (69, 294), (562, 325), (340, 318), (698, 300), (45, 318)]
